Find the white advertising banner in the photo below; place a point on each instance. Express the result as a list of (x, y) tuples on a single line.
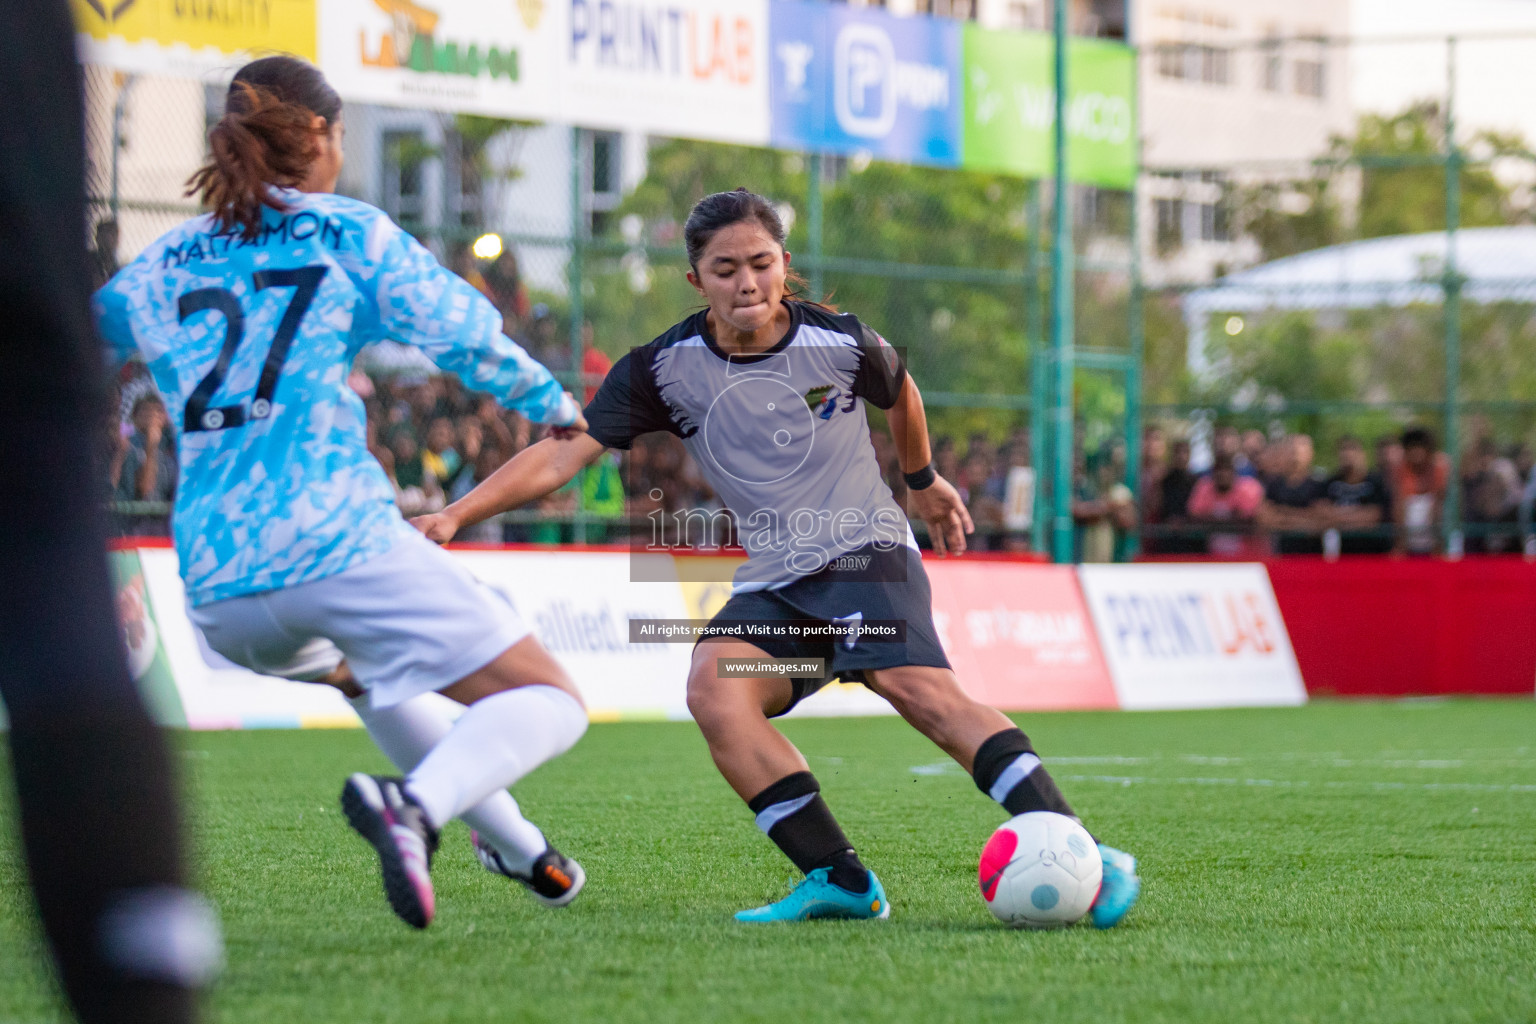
[(691, 68), (216, 694), (577, 603), (497, 58), (1192, 635)]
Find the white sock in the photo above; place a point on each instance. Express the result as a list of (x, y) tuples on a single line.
[(408, 730), (497, 741)]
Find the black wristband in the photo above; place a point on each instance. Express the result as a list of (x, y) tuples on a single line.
[(922, 479)]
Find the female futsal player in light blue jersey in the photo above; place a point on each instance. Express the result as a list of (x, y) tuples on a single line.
[(295, 559)]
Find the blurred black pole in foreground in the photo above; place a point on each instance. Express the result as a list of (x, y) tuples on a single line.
[(94, 783)]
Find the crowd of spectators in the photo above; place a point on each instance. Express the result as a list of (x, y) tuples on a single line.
[(1266, 494), (1259, 495), (436, 441)]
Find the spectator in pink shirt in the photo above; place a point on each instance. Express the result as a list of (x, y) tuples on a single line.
[(1223, 498)]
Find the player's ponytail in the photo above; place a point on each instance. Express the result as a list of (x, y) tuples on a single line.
[(266, 139), (722, 209)]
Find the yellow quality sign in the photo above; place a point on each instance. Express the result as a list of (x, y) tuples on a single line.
[(230, 26)]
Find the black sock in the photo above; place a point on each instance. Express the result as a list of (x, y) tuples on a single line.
[(1007, 769), (792, 813), (847, 871)]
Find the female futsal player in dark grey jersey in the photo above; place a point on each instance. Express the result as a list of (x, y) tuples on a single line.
[(767, 394)]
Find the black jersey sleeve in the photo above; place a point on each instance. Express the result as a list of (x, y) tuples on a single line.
[(881, 371), (628, 403)]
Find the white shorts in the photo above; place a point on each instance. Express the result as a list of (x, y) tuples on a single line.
[(409, 621)]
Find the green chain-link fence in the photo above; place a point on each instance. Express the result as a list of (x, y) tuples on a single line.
[(954, 268)]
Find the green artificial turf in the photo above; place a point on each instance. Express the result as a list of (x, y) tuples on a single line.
[(1339, 862)]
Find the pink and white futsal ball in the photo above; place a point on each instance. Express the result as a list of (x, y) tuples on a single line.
[(1040, 870)]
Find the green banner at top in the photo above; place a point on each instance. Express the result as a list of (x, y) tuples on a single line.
[(1010, 107)]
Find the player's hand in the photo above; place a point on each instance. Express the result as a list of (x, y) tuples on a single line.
[(578, 426), (438, 526), (939, 506)]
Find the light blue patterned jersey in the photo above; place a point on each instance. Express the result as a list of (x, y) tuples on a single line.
[(251, 344)]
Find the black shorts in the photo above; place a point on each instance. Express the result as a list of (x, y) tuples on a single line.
[(890, 586)]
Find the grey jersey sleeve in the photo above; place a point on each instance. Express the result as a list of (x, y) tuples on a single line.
[(628, 403), (881, 372)]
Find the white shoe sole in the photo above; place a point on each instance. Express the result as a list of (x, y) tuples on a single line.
[(578, 880)]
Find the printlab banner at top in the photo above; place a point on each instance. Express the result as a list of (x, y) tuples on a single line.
[(846, 80), (1010, 107), (499, 58), (695, 69), (688, 68), (191, 37)]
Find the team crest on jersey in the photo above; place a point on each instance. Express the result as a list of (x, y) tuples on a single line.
[(823, 400)]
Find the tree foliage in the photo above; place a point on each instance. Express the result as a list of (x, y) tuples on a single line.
[(1387, 178), (962, 325)]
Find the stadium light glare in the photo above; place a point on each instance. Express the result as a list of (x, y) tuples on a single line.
[(488, 246), (1234, 325)]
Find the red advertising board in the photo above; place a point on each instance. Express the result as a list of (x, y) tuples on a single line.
[(1398, 627), (1019, 635)]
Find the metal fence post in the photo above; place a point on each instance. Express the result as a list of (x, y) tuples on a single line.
[(119, 115), (813, 227), (577, 275), (1451, 282), (1135, 322), (1039, 381), (1135, 328), (1061, 314)]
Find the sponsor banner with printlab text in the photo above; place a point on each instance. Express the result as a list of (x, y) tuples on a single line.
[(848, 80), (1192, 635), (497, 58), (190, 38), (1019, 636), (695, 69)]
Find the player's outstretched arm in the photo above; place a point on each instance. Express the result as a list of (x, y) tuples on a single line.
[(536, 471), (419, 303), (938, 504)]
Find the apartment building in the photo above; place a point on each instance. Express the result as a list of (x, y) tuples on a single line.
[(1232, 92)]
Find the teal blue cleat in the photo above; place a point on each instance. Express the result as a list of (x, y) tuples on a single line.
[(817, 897), (1118, 892)]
